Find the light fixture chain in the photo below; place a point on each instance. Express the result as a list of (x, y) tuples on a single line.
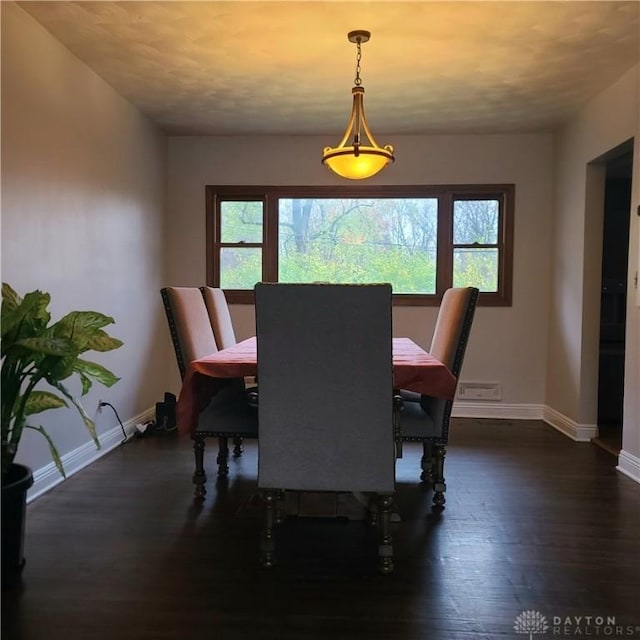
[(357, 81)]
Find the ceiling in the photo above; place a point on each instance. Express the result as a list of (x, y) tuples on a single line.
[(267, 67)]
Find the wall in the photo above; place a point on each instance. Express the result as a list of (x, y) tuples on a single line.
[(83, 198), (607, 121), (507, 344), (83, 192)]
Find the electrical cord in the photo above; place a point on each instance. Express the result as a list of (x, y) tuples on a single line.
[(124, 433)]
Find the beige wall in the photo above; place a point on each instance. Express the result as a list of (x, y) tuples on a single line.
[(507, 345), (605, 122), (83, 189), (90, 191)]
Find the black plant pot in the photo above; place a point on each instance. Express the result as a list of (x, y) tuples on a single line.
[(14, 510)]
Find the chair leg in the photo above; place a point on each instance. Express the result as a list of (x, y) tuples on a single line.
[(439, 486), (373, 510), (199, 475), (267, 538), (279, 510), (223, 457), (237, 447), (426, 463), (385, 544)]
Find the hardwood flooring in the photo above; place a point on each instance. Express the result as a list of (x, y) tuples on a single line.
[(533, 522), (609, 438)]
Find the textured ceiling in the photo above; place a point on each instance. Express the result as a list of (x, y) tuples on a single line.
[(287, 67)]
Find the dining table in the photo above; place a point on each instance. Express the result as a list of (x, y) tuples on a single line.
[(414, 369)]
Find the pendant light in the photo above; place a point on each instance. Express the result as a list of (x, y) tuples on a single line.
[(357, 161)]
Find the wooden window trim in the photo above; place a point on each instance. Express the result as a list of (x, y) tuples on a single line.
[(446, 194)]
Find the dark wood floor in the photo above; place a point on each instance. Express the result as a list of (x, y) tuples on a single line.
[(534, 522), (609, 438)]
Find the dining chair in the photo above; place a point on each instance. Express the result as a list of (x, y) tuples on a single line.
[(219, 316), (228, 414), (326, 398), (426, 419), (223, 332)]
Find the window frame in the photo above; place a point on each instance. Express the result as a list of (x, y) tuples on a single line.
[(446, 195)]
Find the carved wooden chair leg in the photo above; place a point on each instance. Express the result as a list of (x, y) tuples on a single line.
[(385, 544), (426, 462), (267, 538), (439, 486), (279, 507), (223, 457), (237, 447), (199, 475)]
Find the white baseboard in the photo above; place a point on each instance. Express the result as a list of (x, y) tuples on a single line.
[(501, 411), (497, 410), (629, 465), (47, 477), (574, 430)]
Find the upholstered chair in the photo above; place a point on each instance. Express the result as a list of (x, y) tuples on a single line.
[(423, 418), (219, 316), (326, 398), (228, 414)]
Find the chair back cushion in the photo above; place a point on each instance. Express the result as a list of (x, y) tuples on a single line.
[(453, 325), (219, 316), (188, 319), (326, 376)]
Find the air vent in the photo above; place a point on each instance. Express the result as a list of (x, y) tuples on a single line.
[(479, 391)]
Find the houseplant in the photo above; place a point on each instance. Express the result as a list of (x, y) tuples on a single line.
[(36, 354)]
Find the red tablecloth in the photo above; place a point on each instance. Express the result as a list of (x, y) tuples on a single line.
[(413, 369)]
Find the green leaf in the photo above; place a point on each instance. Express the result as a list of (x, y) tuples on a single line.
[(49, 346), (86, 321), (52, 448), (86, 383), (88, 422), (10, 299), (97, 371), (29, 318), (101, 341), (39, 401), (83, 328), (57, 368)]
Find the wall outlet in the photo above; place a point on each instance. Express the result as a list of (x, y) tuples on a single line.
[(99, 409)]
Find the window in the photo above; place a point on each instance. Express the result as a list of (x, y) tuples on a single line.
[(420, 239)]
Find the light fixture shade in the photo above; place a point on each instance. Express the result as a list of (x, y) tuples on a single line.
[(346, 163), (360, 159)]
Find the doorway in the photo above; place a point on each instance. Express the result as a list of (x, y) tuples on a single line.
[(613, 299)]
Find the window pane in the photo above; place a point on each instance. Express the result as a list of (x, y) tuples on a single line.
[(359, 240), (475, 221), (476, 268), (241, 221), (240, 268)]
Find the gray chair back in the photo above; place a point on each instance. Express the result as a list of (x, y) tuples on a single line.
[(326, 377)]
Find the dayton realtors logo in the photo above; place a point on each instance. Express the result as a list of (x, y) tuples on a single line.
[(531, 622), (534, 623)]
